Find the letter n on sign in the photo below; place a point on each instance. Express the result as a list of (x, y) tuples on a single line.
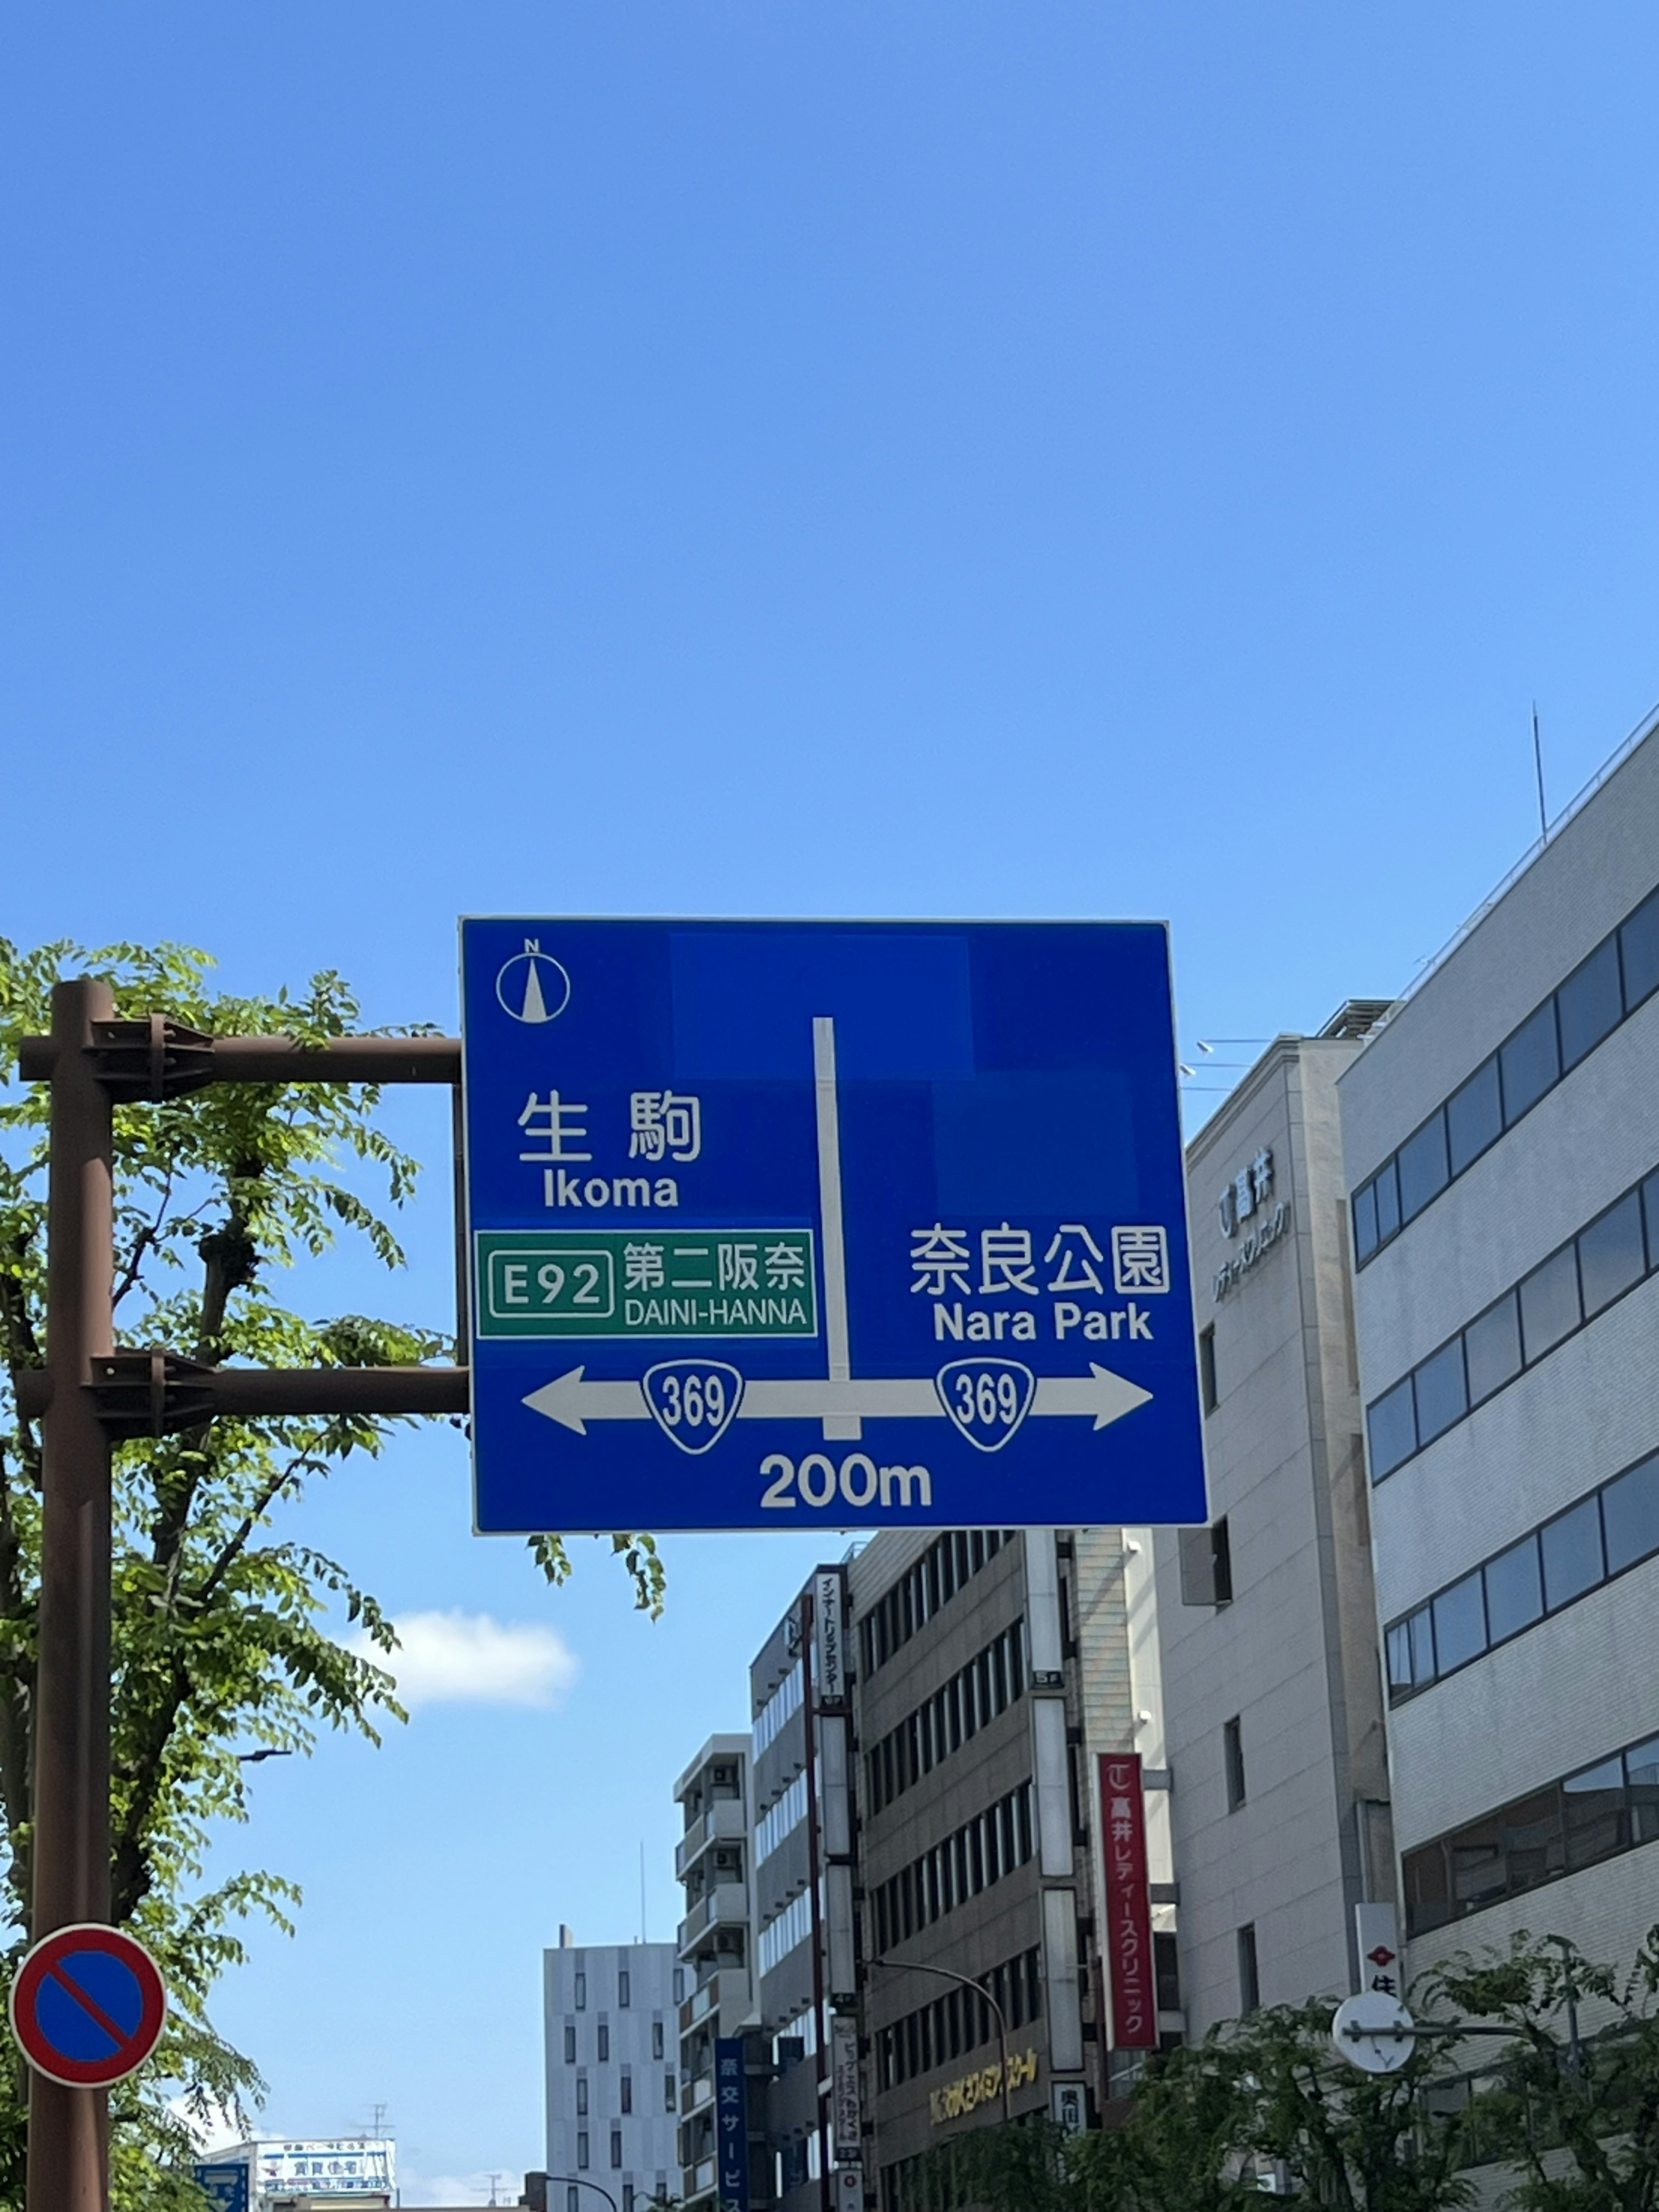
[(1128, 1904)]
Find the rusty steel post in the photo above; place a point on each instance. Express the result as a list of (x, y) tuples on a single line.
[(67, 2142)]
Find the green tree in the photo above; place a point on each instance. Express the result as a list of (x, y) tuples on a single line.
[(223, 1613)]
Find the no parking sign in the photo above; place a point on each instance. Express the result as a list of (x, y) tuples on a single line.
[(88, 2006)]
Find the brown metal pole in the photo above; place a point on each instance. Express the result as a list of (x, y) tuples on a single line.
[(69, 2144)]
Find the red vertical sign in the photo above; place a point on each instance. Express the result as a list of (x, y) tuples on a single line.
[(1128, 1904)]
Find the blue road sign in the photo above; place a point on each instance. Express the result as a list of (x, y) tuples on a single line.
[(777, 1224), (225, 2185)]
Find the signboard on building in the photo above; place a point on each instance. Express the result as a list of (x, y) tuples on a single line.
[(845, 2112), (731, 2124), (323, 2165), (859, 1223), (828, 1627), (1128, 1915), (1376, 1943), (225, 2185)]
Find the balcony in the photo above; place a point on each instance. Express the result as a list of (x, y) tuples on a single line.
[(696, 2094), (723, 1823), (725, 1905)]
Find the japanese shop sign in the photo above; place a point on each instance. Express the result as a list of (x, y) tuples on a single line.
[(1128, 1904), (862, 1222), (731, 2125), (982, 2086)]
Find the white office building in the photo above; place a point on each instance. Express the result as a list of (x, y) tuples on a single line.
[(1501, 1135), (613, 2084), (1272, 1699)]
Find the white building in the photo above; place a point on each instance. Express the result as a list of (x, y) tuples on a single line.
[(1501, 1135), (1272, 1699), (613, 2082)]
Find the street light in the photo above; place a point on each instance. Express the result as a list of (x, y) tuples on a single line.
[(576, 2181), (967, 1982)]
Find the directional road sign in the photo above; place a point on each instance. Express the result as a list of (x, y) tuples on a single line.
[(777, 1224), (88, 2006)]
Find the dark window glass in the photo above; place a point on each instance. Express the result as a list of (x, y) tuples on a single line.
[(1166, 1973), (1630, 1513), (1475, 1116), (1249, 1974), (1221, 1547), (1530, 1063), (1441, 1396), (581, 2096), (1642, 1767), (1572, 1545), (1610, 1255), (1530, 1833), (1515, 1589), (1387, 1202), (605, 2043), (1206, 1367), (1492, 1348), (569, 2046), (1459, 1623), (1478, 1874), (1422, 1634), (621, 1988), (1549, 1303), (1364, 1222), (1428, 1895), (1597, 1823), (1651, 1210), (1400, 1657), (1638, 941), (1590, 1004), (1393, 1424), (1232, 1746), (1421, 1161)]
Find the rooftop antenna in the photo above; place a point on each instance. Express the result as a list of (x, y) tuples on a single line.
[(494, 2180), (377, 2120), (1538, 765)]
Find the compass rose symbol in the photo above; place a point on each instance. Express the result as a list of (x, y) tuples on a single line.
[(532, 986)]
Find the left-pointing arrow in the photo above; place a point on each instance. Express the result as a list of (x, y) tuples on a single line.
[(573, 1403)]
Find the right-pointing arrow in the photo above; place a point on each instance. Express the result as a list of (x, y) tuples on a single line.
[(1108, 1397)]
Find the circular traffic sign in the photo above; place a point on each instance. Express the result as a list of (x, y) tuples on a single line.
[(88, 2006), (1374, 2033)]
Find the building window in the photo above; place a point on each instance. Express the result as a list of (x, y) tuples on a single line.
[(1166, 1971), (1206, 1368), (670, 2095), (1249, 1978), (679, 1984), (1232, 1751), (621, 1990), (581, 1993), (628, 2197), (581, 2150), (656, 2039), (572, 2199), (1221, 1556), (616, 2147), (581, 2096), (570, 2043), (605, 2043)]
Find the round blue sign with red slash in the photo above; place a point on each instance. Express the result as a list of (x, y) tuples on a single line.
[(88, 2006)]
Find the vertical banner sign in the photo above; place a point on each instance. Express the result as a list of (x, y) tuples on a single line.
[(844, 2077), (775, 1224), (1128, 1904), (827, 1625), (731, 2125), (1377, 1945)]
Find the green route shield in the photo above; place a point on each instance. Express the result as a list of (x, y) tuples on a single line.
[(646, 1283)]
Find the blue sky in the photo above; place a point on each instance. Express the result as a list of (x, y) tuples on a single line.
[(727, 457)]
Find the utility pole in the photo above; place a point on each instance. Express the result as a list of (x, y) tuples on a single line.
[(90, 1395)]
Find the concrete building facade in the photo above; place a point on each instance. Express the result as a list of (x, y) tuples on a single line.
[(1501, 1136), (1273, 1696), (611, 2017)]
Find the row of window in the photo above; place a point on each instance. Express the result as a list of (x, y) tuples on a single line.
[(603, 2042), (625, 1988), (779, 1937), (625, 2088), (963, 2021), (985, 1686), (583, 2159), (1618, 976), (1552, 1566), (784, 1702), (1618, 1249), (1591, 1815), (914, 1598), (978, 1853), (785, 1817)]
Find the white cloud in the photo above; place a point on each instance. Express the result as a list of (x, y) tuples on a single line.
[(470, 1659)]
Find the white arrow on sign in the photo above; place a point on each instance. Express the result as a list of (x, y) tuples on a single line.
[(1099, 1396)]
